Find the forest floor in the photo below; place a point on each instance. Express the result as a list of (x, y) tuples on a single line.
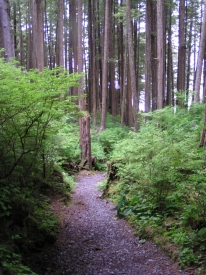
[(92, 241)]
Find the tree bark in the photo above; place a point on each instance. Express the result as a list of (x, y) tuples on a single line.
[(40, 35), (6, 40), (84, 122), (85, 143), (94, 69), (200, 57), (105, 67), (170, 77), (160, 53), (59, 34), (181, 52), (132, 66), (154, 63), (148, 56)]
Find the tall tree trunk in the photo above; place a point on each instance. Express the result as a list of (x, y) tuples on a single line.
[(84, 122), (105, 66), (91, 78), (40, 34), (21, 52), (129, 118), (34, 59), (160, 53), (132, 66), (59, 34), (94, 68), (123, 102), (189, 51), (66, 35), (170, 78), (6, 40), (200, 57), (112, 91), (181, 52), (154, 63), (148, 56), (72, 41), (121, 73), (15, 28)]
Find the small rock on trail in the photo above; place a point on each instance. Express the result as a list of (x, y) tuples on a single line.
[(92, 241)]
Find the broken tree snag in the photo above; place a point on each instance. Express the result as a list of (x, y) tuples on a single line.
[(85, 143)]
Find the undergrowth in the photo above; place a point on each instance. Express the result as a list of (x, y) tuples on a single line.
[(31, 121), (157, 178)]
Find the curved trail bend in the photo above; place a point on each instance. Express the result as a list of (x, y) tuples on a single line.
[(92, 241)]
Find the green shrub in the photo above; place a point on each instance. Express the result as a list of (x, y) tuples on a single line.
[(161, 176)]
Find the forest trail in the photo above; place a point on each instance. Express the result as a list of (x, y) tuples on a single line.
[(92, 241)]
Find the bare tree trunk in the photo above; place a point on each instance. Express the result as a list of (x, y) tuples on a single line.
[(170, 78), (84, 122), (181, 52), (122, 74), (160, 53), (148, 56), (34, 60), (105, 67), (200, 57), (72, 41), (123, 102), (189, 51), (112, 91), (40, 35), (94, 69), (91, 79), (85, 143), (132, 66), (129, 118), (6, 40), (59, 34), (154, 62)]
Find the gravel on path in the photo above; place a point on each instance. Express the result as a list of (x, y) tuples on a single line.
[(92, 241)]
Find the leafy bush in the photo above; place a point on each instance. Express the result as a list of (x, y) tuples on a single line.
[(32, 105), (11, 263), (67, 142), (161, 177), (109, 137)]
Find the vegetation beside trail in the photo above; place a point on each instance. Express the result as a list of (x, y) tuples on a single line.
[(157, 179), (156, 176), (39, 153), (34, 124)]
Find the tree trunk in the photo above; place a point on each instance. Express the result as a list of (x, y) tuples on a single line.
[(84, 123), (85, 143), (6, 40), (105, 67), (132, 66), (40, 35), (94, 69), (189, 51), (148, 56), (200, 57), (112, 91), (123, 102), (170, 78), (154, 63), (181, 52), (160, 53), (34, 57), (59, 34)]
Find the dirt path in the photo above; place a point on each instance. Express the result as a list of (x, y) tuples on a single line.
[(93, 241)]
